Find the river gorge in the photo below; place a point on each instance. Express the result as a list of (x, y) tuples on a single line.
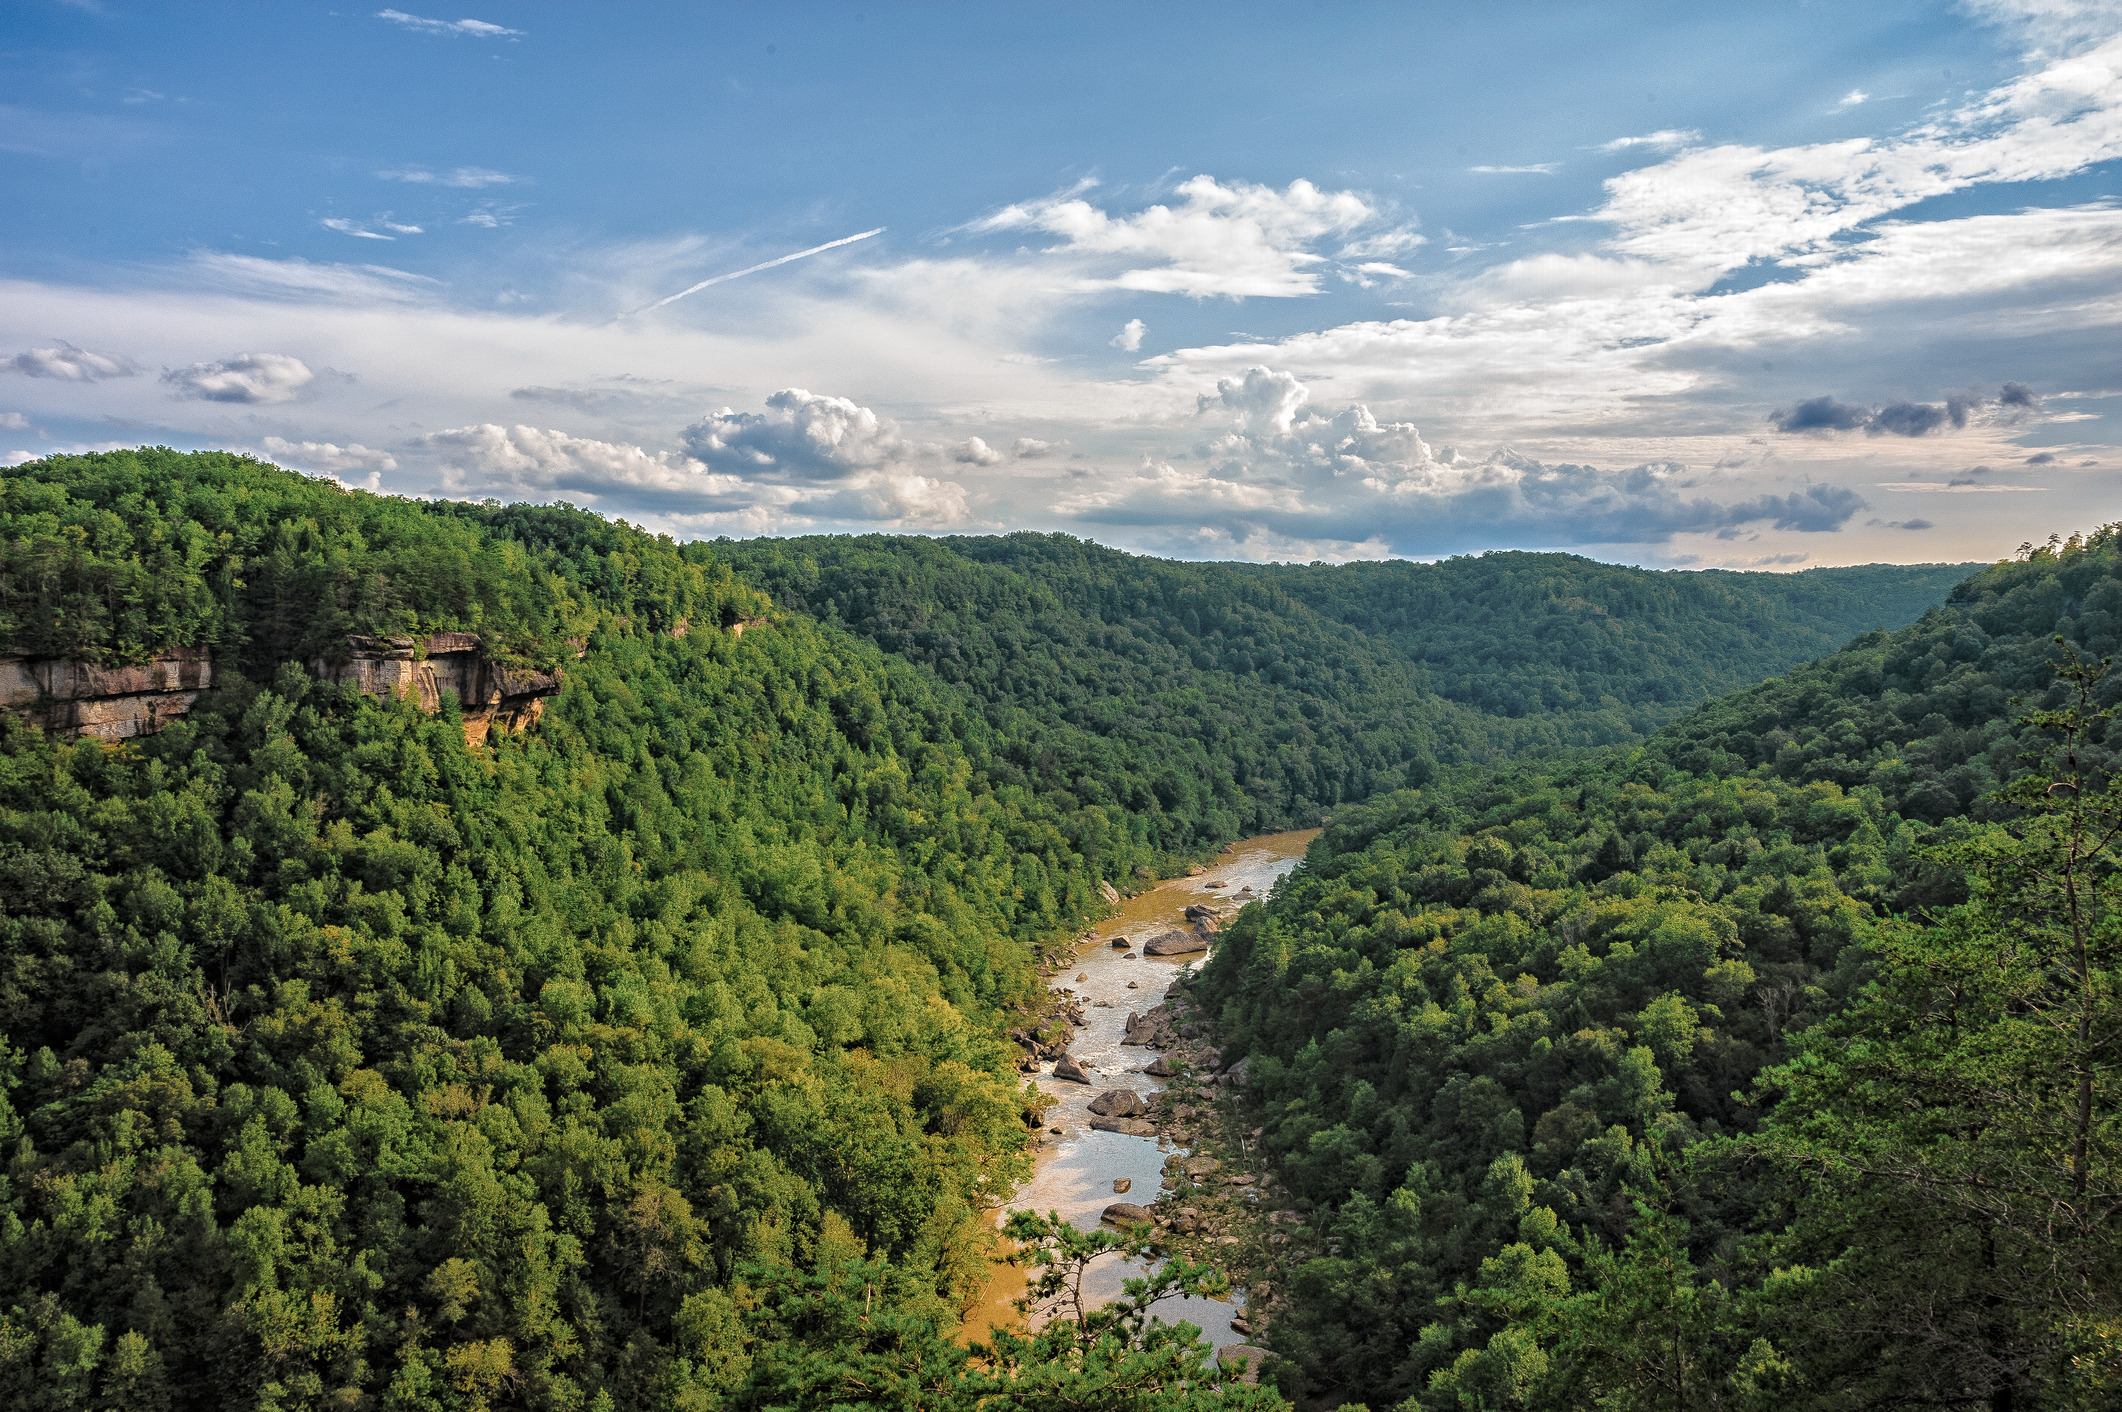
[(1076, 1167)]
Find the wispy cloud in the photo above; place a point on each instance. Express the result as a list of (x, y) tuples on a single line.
[(1852, 98), (754, 269), (355, 228), (471, 177), (1530, 169), (1663, 137), (477, 29)]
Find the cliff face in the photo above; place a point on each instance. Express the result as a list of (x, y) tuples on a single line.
[(118, 703), (109, 703), (451, 661)]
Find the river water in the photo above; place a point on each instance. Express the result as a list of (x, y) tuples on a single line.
[(1074, 1172)]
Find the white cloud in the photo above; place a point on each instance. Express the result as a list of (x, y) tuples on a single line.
[(327, 458), (13, 421), (255, 378), (1233, 240), (1287, 471), (1129, 338), (471, 177), (477, 29), (70, 364), (523, 460), (1663, 137), (800, 436), (309, 282), (975, 452), (1852, 98), (1714, 209), (491, 215), (1530, 169), (1028, 448), (354, 228)]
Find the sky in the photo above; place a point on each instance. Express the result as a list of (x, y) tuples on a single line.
[(1773, 286)]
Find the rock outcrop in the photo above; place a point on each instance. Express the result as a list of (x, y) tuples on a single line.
[(1176, 943), (109, 703), (422, 669), (1132, 1127), (1118, 1103), (1067, 1068), (1125, 1213)]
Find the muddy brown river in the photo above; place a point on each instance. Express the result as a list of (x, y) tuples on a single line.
[(1074, 1172)]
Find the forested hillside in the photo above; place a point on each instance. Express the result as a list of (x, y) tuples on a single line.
[(1770, 1063), (656, 1056), (345, 1065), (1554, 634), (1237, 698)]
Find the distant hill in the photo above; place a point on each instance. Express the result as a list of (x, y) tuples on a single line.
[(1245, 697), (1515, 634)]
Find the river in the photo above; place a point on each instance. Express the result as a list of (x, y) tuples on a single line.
[(1073, 1172)]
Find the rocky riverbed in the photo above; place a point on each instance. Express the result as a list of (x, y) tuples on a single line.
[(1134, 1080)]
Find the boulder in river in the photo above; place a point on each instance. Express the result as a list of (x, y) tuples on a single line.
[(1175, 943), (1119, 943), (1067, 1068), (1199, 913), (1121, 1184), (1117, 1103), (1161, 1067), (1125, 1213), (1132, 1127)]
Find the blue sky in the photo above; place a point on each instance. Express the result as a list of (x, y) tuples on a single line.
[(1773, 285)]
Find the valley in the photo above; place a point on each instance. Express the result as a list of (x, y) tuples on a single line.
[(518, 960)]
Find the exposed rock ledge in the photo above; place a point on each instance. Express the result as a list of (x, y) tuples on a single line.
[(117, 703), (109, 703), (487, 694)]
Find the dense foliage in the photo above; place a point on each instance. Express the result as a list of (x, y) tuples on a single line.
[(655, 1057), (1495, 1022), (342, 1061), (1227, 698), (1554, 634)]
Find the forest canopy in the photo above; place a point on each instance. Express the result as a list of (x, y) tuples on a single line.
[(658, 1055)]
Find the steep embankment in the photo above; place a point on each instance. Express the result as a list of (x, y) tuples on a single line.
[(345, 1059), (1224, 699), (1486, 1020)]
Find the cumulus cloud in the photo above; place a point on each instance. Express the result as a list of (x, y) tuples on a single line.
[(1030, 448), (476, 29), (470, 177), (1233, 240), (801, 436), (255, 378), (13, 421), (528, 461), (67, 363), (1129, 338), (1286, 468), (328, 458), (975, 452)]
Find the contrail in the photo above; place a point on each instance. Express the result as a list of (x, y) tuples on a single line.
[(754, 269)]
